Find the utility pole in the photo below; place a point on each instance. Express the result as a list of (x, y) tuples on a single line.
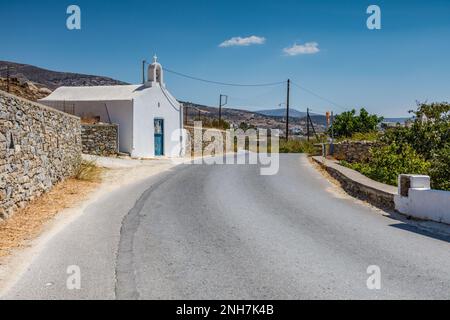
[(222, 105), (332, 134), (327, 132), (307, 123), (327, 115), (144, 62), (312, 127), (185, 114), (287, 108)]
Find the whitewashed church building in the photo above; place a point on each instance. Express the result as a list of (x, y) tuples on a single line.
[(150, 119)]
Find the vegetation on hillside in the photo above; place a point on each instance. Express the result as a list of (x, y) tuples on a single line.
[(214, 123)]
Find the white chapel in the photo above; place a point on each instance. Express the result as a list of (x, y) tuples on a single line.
[(150, 119)]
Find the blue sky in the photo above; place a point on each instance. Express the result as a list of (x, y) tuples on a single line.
[(384, 70)]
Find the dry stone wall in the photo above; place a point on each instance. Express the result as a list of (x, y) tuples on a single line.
[(379, 195), (100, 139), (353, 151), (196, 139), (39, 146)]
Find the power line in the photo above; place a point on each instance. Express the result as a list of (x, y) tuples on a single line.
[(319, 96), (224, 83), (256, 85), (274, 94)]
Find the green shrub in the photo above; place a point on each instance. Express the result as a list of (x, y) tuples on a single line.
[(440, 170), (222, 124), (387, 162), (296, 146), (428, 134), (362, 136)]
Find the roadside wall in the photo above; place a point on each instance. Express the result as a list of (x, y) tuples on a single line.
[(353, 151), (100, 139), (39, 146), (359, 186), (196, 139)]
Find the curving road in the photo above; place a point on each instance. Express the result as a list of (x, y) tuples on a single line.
[(226, 232)]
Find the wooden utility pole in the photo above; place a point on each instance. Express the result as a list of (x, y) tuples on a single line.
[(310, 122), (307, 123), (327, 115), (222, 105), (185, 114), (220, 109), (332, 134), (287, 108)]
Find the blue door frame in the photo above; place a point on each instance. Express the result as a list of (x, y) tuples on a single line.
[(159, 137)]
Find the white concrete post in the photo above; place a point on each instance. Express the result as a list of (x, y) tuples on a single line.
[(416, 199)]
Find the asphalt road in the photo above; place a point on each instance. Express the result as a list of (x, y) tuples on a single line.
[(226, 232)]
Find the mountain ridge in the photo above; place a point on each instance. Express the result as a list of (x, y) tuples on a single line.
[(281, 112), (52, 79)]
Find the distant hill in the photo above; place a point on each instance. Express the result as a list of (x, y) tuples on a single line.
[(293, 113), (257, 119), (52, 79), (232, 115), (282, 113)]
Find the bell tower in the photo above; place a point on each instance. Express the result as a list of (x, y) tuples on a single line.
[(155, 74)]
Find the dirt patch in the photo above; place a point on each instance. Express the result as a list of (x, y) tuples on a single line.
[(27, 223)]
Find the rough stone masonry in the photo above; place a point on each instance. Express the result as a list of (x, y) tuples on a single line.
[(100, 139), (39, 146), (353, 151)]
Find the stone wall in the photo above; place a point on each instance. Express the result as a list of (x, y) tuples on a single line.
[(100, 139), (359, 186), (39, 146), (353, 151), (197, 139)]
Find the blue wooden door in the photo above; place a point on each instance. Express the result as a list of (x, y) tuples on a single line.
[(159, 137)]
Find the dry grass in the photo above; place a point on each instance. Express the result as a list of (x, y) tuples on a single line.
[(88, 171), (28, 223)]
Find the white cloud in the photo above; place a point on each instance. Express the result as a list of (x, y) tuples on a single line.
[(238, 41), (307, 48)]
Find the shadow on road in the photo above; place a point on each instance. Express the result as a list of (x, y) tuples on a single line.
[(419, 230)]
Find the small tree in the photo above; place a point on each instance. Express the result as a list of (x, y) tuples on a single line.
[(222, 124), (348, 123), (245, 126)]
